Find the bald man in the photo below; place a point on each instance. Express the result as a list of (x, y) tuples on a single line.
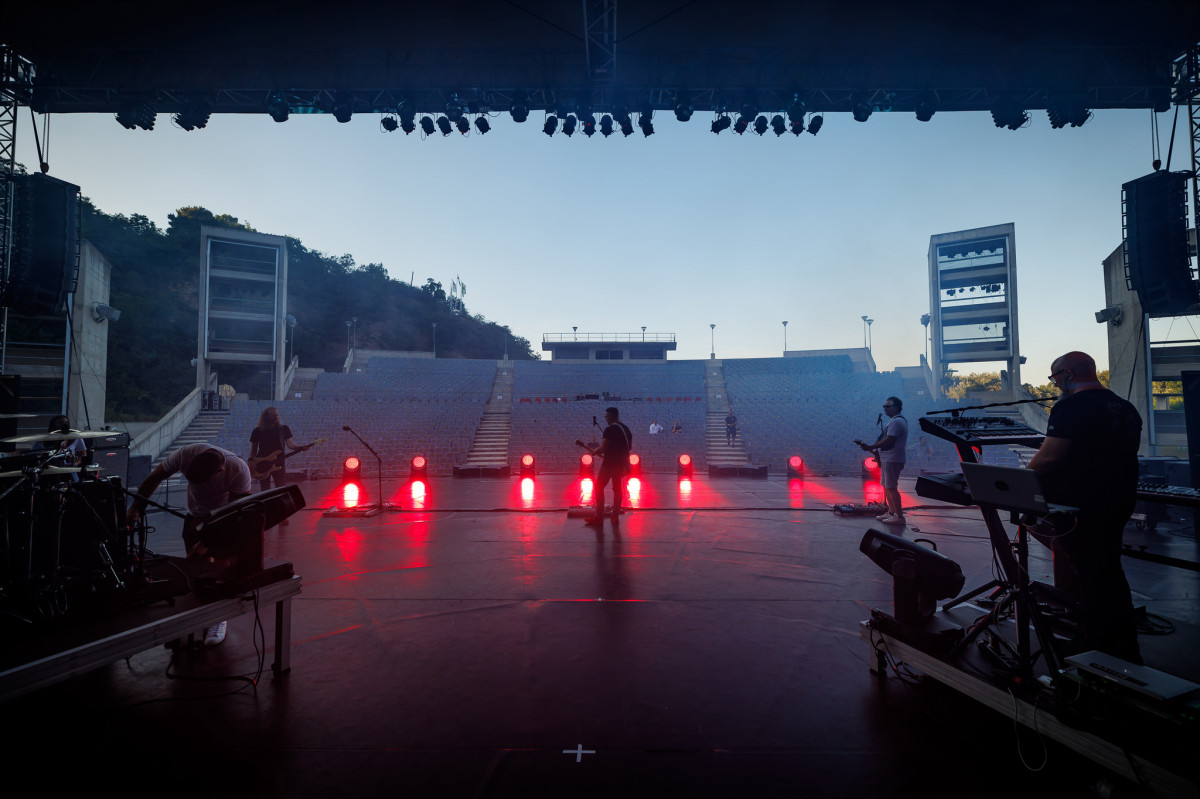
[(1088, 460)]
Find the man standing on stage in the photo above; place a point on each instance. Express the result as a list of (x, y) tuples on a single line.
[(270, 439), (614, 447), (890, 449), (1088, 460)]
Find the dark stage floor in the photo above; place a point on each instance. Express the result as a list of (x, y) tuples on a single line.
[(480, 643)]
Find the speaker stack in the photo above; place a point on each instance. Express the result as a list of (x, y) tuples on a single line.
[(1157, 262), (45, 255)]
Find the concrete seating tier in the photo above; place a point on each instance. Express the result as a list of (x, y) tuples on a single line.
[(398, 429), (535, 380), (548, 430), (410, 378), (787, 411)]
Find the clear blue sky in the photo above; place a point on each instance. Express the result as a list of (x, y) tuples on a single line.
[(674, 232)]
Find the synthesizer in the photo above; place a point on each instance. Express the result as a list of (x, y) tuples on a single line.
[(978, 431)]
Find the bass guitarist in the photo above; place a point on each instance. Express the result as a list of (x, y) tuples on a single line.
[(267, 444)]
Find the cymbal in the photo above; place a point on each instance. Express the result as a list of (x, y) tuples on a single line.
[(17, 415), (58, 435), (47, 470)]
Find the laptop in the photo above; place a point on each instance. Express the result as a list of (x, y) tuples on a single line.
[(1009, 488)]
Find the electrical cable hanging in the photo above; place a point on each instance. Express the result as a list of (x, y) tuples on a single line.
[(1155, 147)]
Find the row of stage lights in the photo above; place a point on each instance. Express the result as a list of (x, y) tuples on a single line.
[(419, 466), (1006, 113)]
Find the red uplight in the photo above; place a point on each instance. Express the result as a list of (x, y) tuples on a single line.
[(795, 462), (634, 459), (685, 460), (418, 462), (351, 463), (870, 464), (526, 460), (586, 459)]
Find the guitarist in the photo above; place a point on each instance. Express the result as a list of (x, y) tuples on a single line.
[(269, 440), (614, 447)]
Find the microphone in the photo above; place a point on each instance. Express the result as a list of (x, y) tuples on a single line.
[(346, 427), (879, 419), (594, 422)]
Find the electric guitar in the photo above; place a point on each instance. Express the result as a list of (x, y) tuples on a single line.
[(264, 465)]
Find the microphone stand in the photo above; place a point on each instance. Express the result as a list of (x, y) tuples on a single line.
[(381, 505)]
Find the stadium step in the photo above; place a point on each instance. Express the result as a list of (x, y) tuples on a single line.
[(206, 427), (717, 449), (489, 448)]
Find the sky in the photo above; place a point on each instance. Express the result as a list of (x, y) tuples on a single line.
[(676, 231)]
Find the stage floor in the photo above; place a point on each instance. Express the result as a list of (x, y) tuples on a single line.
[(478, 642)]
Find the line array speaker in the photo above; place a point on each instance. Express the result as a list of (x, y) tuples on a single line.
[(45, 255), (1157, 262)]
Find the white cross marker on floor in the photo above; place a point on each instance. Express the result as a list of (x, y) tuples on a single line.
[(579, 752)]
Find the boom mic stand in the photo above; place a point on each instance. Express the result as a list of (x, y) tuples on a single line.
[(369, 510)]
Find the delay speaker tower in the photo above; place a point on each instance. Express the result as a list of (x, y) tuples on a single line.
[(45, 255)]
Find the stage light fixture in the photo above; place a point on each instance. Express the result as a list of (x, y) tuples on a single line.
[(1008, 113), (136, 114), (778, 125), (870, 468), (797, 126), (760, 124), (482, 125), (389, 123), (194, 115), (621, 115), (444, 125), (568, 125), (277, 107), (520, 109), (814, 125), (683, 466), (464, 127), (351, 470), (1067, 111), (408, 120), (551, 125), (860, 106), (589, 124), (635, 463), (418, 468), (527, 465), (721, 123), (797, 110), (740, 126), (684, 110), (606, 125), (586, 464), (342, 111), (920, 576), (795, 466), (454, 108), (646, 123), (926, 106), (427, 126), (627, 126)]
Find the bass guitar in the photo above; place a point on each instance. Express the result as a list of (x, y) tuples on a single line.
[(262, 466)]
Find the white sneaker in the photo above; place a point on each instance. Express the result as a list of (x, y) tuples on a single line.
[(215, 634), (893, 520), (883, 517)]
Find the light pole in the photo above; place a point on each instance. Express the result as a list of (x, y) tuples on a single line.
[(643, 334), (864, 318), (434, 339), (575, 332), (712, 331), (354, 332), (349, 349), (785, 337), (925, 318), (291, 321), (870, 340)]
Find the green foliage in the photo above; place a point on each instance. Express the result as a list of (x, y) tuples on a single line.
[(961, 385), (155, 283)]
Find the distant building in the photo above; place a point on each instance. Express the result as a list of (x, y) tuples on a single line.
[(611, 347)]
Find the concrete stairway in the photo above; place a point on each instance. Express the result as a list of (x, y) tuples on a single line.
[(303, 383), (204, 428), (489, 449), (718, 451)]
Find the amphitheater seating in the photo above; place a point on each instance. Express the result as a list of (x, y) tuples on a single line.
[(547, 417)]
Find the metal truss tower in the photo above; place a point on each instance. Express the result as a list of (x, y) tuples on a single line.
[(16, 78)]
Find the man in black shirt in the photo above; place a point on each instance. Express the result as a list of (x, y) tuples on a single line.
[(268, 442), (614, 448), (1088, 460)]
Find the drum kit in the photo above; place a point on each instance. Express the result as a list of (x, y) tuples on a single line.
[(64, 540)]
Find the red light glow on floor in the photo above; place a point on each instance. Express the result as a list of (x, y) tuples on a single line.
[(350, 493), (527, 493), (416, 490)]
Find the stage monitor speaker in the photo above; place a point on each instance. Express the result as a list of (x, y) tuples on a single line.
[(1157, 262), (10, 405), (45, 255)]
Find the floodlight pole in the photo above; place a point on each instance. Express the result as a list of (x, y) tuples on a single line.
[(785, 337), (712, 331)]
